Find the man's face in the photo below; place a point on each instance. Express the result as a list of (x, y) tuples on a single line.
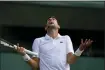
[(52, 23)]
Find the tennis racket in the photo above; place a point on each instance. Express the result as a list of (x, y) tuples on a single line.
[(10, 45)]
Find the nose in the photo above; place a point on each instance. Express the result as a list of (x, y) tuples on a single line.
[(50, 19)]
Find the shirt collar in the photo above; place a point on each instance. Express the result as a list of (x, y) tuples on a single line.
[(48, 37)]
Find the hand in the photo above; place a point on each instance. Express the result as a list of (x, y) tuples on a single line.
[(85, 44), (20, 50)]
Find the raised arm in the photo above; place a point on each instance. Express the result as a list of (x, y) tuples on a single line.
[(71, 56)]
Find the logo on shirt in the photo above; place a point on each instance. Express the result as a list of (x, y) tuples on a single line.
[(61, 42)]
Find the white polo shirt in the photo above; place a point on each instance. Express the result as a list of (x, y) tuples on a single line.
[(53, 52)]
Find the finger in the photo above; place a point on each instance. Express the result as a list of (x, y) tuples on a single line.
[(18, 44), (90, 41), (22, 49), (81, 41), (86, 40), (18, 48), (87, 43)]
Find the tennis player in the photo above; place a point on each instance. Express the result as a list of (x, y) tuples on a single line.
[(55, 51)]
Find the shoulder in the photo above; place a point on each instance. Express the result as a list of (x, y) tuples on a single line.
[(65, 36), (38, 39)]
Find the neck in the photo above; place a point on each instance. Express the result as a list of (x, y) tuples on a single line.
[(53, 33)]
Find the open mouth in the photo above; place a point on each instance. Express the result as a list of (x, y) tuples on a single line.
[(51, 23)]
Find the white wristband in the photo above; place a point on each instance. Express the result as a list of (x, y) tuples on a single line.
[(26, 57), (78, 52)]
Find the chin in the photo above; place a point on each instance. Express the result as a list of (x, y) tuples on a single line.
[(53, 26)]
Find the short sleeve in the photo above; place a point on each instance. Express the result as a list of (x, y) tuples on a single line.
[(35, 46), (69, 47)]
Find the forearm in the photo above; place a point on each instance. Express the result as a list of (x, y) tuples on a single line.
[(33, 63), (71, 58)]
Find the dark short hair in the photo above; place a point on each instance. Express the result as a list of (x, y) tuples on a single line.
[(52, 17)]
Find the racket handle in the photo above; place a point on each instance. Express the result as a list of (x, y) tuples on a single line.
[(31, 53), (28, 51)]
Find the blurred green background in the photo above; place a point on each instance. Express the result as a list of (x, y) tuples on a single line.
[(10, 61)]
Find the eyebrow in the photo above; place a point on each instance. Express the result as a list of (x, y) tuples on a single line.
[(52, 17)]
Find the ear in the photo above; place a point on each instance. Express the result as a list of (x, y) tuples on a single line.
[(58, 27), (46, 27)]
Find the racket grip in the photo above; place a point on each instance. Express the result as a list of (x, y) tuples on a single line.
[(28, 51), (31, 53)]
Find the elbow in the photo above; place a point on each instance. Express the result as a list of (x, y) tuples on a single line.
[(33, 64), (35, 68), (71, 62)]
